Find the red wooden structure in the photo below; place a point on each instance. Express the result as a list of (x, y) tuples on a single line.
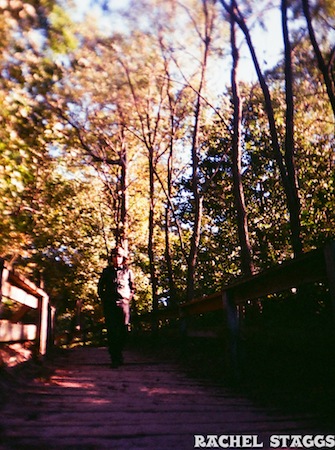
[(16, 288)]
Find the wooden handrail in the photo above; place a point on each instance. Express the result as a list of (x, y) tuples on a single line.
[(21, 290), (316, 265)]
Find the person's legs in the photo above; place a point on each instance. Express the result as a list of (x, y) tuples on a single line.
[(117, 336), (116, 321), (124, 326), (109, 313), (110, 337)]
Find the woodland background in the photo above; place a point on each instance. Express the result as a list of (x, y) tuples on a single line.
[(140, 126)]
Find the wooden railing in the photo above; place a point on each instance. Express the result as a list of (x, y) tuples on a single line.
[(315, 266), (29, 297)]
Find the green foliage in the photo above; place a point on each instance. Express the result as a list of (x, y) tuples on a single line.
[(65, 122), (61, 33)]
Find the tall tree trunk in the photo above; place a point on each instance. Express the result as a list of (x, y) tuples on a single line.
[(290, 191), (242, 222), (172, 286), (148, 138), (169, 206), (324, 68), (289, 138), (195, 238), (151, 230), (124, 196), (197, 195)]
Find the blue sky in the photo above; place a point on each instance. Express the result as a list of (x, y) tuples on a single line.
[(268, 42)]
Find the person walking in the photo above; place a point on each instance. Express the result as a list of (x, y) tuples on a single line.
[(116, 291)]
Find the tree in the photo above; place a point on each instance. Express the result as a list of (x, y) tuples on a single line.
[(242, 223), (40, 231), (26, 73), (286, 166), (289, 147), (326, 67), (122, 139)]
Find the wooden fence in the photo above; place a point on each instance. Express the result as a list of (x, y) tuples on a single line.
[(16, 288), (315, 266)]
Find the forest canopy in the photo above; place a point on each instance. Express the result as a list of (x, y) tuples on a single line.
[(144, 126)]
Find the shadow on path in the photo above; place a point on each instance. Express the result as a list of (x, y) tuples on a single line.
[(149, 403)]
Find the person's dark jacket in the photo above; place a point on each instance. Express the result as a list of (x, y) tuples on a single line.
[(116, 284)]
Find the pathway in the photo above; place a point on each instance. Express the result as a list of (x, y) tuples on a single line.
[(145, 404)]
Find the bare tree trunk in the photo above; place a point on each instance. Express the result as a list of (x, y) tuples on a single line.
[(242, 222), (123, 228), (148, 138), (290, 191), (172, 286), (120, 203), (324, 68), (289, 138), (169, 210), (197, 195), (151, 231)]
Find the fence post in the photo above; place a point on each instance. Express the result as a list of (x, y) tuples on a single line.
[(2, 265), (51, 326), (329, 252), (233, 325), (43, 322)]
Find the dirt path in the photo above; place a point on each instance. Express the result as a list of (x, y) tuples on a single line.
[(145, 404)]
